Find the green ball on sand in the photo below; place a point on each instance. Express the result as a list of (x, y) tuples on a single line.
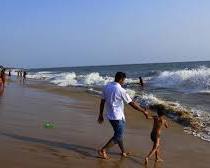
[(48, 124)]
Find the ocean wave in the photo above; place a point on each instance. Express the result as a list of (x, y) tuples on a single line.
[(72, 79), (44, 75), (204, 91), (193, 80), (94, 79), (14, 72), (195, 121), (131, 93), (65, 79)]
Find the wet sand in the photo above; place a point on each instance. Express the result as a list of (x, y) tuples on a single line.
[(73, 143)]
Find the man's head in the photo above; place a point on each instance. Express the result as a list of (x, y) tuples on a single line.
[(120, 77)]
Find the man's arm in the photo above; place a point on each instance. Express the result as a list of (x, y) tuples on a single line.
[(100, 117), (137, 107)]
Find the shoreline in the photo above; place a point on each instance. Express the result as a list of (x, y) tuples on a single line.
[(77, 136), (182, 116)]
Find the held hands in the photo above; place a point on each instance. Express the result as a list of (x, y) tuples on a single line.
[(100, 119), (146, 114)]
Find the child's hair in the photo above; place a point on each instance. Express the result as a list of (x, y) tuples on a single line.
[(160, 111)]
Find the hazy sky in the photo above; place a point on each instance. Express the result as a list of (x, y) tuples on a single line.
[(53, 33)]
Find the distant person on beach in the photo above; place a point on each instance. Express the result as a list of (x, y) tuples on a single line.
[(158, 123), (113, 97), (1, 88), (18, 73), (2, 76), (9, 73), (24, 75), (21, 73), (141, 81), (1, 83)]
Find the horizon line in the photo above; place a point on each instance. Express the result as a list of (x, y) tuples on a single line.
[(119, 64)]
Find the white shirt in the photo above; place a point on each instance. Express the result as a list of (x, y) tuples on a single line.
[(115, 96)]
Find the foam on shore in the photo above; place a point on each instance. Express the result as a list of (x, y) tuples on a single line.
[(195, 121)]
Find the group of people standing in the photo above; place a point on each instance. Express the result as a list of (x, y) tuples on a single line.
[(7, 72), (21, 73)]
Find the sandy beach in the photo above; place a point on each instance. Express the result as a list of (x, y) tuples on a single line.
[(77, 136)]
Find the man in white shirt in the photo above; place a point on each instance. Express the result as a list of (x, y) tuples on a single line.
[(113, 98)]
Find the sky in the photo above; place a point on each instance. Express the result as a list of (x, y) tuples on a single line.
[(64, 33)]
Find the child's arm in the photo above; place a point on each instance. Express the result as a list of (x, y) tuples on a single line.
[(165, 123), (152, 117)]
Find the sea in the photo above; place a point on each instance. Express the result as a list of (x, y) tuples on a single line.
[(181, 88)]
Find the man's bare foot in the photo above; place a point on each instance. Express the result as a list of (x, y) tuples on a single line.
[(102, 154), (125, 154), (159, 160), (146, 160)]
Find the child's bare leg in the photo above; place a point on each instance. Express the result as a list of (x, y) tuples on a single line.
[(151, 153), (157, 153)]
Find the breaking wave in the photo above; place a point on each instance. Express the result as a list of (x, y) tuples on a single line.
[(195, 121), (194, 80), (72, 79)]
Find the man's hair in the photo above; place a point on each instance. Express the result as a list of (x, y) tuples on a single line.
[(119, 76)]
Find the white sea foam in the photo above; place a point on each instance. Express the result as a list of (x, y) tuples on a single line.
[(188, 79), (147, 100), (46, 75), (195, 79), (131, 93), (14, 72), (65, 79), (202, 119), (94, 79), (205, 135), (72, 79), (204, 91), (95, 92)]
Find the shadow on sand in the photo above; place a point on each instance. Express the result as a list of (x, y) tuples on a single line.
[(84, 151)]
